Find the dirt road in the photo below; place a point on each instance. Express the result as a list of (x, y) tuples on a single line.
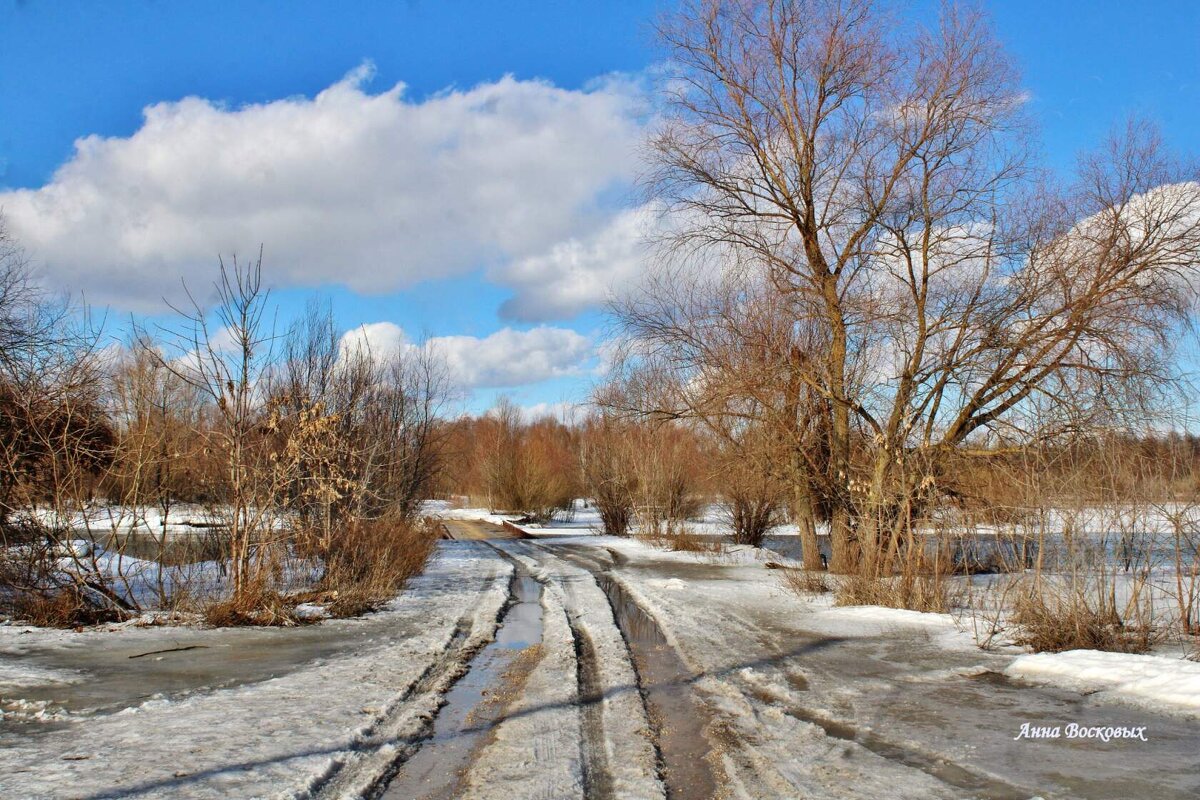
[(707, 691), (565, 667), (477, 530)]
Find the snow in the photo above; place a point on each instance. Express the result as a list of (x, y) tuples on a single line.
[(281, 736), (475, 514), (627, 750), (17, 675), (311, 611), (1155, 682), (803, 698), (100, 519), (535, 751)]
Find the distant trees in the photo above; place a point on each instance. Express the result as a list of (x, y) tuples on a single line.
[(527, 466), (53, 426), (864, 261)]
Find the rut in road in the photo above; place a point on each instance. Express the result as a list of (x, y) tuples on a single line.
[(409, 717), (677, 722), (597, 780)]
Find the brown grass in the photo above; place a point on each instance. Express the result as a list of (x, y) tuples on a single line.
[(682, 540), (67, 607), (371, 561), (805, 582), (1051, 622), (257, 605), (916, 592), (366, 564)]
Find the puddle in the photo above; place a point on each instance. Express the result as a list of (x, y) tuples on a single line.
[(666, 684), (474, 706), (113, 672)]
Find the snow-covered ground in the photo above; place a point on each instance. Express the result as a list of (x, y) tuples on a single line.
[(226, 719), (101, 519), (1169, 684), (790, 695)]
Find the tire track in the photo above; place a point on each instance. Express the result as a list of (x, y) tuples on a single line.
[(382, 748), (677, 720), (604, 778), (597, 781)]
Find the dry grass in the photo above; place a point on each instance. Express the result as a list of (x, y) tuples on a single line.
[(915, 592), (67, 607), (1051, 622), (32, 587), (805, 582), (366, 564), (682, 540), (258, 604), (371, 561)]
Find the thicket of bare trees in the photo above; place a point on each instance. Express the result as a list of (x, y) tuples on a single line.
[(507, 463), (299, 463), (866, 271)]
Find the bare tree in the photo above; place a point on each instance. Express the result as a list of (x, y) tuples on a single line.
[(872, 179), (229, 352), (607, 469)]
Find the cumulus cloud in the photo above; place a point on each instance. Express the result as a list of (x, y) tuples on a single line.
[(566, 412), (513, 358), (579, 272), (380, 340), (504, 359), (373, 191)]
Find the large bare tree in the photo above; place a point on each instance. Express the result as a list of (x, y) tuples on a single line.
[(865, 186)]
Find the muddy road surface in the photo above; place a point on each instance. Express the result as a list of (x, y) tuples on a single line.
[(527, 665)]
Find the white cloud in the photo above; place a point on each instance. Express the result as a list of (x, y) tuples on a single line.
[(514, 358), (566, 412), (579, 272), (378, 339), (373, 191), (506, 358)]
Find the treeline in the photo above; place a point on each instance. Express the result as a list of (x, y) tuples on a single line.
[(651, 474)]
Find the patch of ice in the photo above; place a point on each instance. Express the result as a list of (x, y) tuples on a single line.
[(1152, 682), (25, 674), (311, 611), (31, 711)]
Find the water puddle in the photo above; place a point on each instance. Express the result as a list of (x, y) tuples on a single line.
[(475, 705), (666, 683)]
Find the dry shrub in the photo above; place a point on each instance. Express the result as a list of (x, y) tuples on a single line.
[(34, 588), (805, 582), (1052, 622), (67, 607), (916, 579), (370, 561), (366, 563), (682, 540), (257, 604), (915, 592)]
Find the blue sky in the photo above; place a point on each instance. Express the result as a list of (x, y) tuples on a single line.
[(445, 267)]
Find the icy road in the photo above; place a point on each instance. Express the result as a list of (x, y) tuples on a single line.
[(565, 666)]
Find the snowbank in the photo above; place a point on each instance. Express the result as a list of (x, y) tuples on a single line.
[(1153, 682)]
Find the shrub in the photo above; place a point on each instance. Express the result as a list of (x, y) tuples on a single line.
[(915, 592), (370, 561), (1051, 622), (805, 582)]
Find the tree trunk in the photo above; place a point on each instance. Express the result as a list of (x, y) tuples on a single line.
[(840, 525), (805, 519)]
